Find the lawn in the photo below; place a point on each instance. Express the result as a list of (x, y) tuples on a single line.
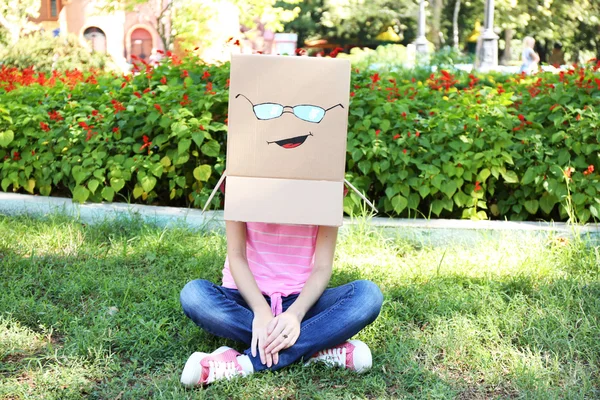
[(93, 312)]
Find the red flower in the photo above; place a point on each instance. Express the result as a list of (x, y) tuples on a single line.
[(205, 75), (408, 134), (396, 136), (185, 101), (227, 84), (417, 133), (55, 116), (377, 132), (33, 152), (163, 80), (404, 151), (44, 126), (185, 74), (521, 117), (403, 114), (16, 156), (116, 129), (431, 113), (554, 106), (465, 126), (352, 94), (146, 90), (118, 106), (94, 112), (578, 117), (84, 125), (123, 85), (147, 143), (137, 94), (209, 88), (237, 42), (477, 186), (159, 108), (375, 78)]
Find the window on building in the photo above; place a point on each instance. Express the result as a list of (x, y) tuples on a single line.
[(53, 8)]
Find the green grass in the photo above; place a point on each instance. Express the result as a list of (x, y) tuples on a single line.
[(93, 312)]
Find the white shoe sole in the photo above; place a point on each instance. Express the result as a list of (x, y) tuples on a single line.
[(192, 372)]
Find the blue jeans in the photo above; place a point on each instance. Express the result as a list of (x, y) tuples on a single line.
[(339, 314)]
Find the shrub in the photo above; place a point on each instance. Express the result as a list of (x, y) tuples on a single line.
[(424, 144), (45, 53)]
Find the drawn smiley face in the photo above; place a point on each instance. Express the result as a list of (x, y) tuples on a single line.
[(306, 112)]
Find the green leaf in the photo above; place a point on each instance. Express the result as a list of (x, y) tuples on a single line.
[(80, 194), (579, 198), (108, 193), (156, 169), (595, 211), (529, 176), (165, 161), (183, 145), (510, 177), (93, 185), (448, 188), (148, 182), (399, 203), (484, 174), (117, 183), (436, 207), (202, 173), (6, 137), (137, 191), (531, 206), (365, 166), (30, 185), (6, 183), (211, 148), (198, 138), (413, 201), (547, 202), (385, 125), (424, 190)]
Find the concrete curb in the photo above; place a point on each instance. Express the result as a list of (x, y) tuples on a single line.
[(428, 232)]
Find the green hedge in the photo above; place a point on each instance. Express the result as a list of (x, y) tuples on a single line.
[(439, 145)]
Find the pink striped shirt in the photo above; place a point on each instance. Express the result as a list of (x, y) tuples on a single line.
[(281, 258)]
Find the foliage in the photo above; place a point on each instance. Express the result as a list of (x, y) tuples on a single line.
[(46, 53), (389, 56), (185, 21), (15, 15), (92, 311), (357, 22), (422, 144)]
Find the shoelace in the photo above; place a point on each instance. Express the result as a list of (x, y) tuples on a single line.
[(221, 369), (336, 356)]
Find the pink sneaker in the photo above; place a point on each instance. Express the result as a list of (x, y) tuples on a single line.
[(203, 368), (353, 354)]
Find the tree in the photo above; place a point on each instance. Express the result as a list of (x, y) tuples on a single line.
[(185, 20), (15, 15)]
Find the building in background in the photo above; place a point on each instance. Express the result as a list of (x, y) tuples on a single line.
[(120, 34)]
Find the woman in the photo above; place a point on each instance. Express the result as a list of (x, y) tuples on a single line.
[(274, 300), (529, 56)]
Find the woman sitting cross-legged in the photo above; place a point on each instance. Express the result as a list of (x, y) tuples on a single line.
[(274, 299)]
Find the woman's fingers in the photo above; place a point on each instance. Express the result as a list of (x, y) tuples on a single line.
[(253, 345), (261, 350), (276, 333), (284, 344), (275, 358), (272, 325)]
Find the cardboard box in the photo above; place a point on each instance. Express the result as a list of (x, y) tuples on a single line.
[(286, 146)]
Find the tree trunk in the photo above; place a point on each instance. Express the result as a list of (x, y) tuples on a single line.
[(436, 23), (507, 55), (455, 23)]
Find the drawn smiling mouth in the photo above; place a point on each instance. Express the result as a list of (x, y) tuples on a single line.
[(291, 143)]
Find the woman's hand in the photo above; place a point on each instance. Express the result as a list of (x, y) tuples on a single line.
[(284, 330), (260, 332)]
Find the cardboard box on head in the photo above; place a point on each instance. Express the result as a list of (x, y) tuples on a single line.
[(286, 145)]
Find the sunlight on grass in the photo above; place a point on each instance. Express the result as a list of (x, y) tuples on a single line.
[(93, 311)]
